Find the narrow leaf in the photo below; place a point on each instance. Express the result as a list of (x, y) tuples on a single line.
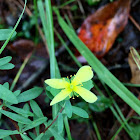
[(60, 123), (40, 136), (7, 95), (25, 137), (35, 123), (80, 112), (21, 111), (16, 117), (36, 109), (7, 66), (32, 135), (17, 92), (5, 133), (68, 108), (29, 94), (6, 85), (7, 138), (4, 33), (5, 60), (56, 135), (50, 39)]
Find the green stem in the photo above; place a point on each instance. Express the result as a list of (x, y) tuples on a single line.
[(67, 128), (67, 48), (6, 42), (36, 31), (20, 71), (96, 130)]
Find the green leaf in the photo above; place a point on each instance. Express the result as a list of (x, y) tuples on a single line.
[(88, 85), (7, 138), (136, 130), (39, 137), (7, 95), (48, 93), (25, 137), (56, 135), (80, 112), (35, 123), (29, 94), (68, 108), (4, 33), (104, 74), (17, 92), (6, 85), (60, 124), (4, 63), (5, 133), (36, 109), (54, 91), (5, 60), (26, 107), (93, 2), (16, 117), (50, 38), (101, 104), (7, 66), (20, 111), (47, 135), (32, 135)]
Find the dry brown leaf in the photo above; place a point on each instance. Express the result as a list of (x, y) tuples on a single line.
[(135, 72), (100, 29)]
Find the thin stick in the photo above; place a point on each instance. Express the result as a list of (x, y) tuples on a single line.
[(134, 22), (20, 70)]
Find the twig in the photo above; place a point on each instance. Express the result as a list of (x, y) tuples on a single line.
[(134, 22), (53, 121)]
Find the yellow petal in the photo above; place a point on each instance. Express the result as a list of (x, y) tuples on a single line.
[(60, 96), (85, 94), (84, 74), (57, 83)]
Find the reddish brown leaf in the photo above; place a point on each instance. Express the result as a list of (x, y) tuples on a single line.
[(100, 30), (23, 47)]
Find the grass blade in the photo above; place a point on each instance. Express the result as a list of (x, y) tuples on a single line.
[(50, 38)]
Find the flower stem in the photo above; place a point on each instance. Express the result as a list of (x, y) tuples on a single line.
[(67, 128)]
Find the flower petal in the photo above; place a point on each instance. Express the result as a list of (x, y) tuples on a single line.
[(84, 74), (60, 96), (87, 95), (57, 83)]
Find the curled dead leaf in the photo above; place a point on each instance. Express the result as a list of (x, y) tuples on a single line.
[(100, 29), (135, 72)]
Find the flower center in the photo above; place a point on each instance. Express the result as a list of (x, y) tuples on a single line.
[(71, 86)]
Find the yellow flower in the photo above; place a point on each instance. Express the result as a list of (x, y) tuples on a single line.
[(74, 86)]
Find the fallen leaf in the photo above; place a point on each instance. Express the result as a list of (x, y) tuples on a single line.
[(135, 72), (100, 29), (136, 56), (23, 47)]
